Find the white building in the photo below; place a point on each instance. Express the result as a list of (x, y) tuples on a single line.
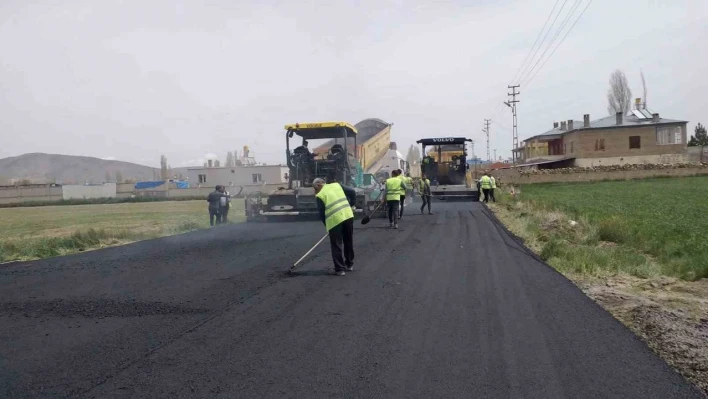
[(237, 176)]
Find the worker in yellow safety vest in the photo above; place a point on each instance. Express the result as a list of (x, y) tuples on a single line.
[(486, 185), (334, 203), (424, 191), (494, 186), (392, 196), (407, 184)]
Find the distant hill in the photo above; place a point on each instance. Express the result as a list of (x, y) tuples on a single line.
[(70, 169)]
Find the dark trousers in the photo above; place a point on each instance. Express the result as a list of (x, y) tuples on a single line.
[(426, 201), (491, 193), (392, 211), (486, 194), (214, 216), (224, 214), (341, 240), (402, 204)]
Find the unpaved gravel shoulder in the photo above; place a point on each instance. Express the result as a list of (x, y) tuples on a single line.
[(670, 315)]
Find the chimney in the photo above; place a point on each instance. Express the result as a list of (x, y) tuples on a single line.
[(563, 125), (586, 120), (619, 118), (638, 103), (555, 125), (570, 124), (211, 163), (655, 118)]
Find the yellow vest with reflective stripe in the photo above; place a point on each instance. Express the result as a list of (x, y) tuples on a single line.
[(494, 182), (485, 182), (424, 183), (337, 208), (394, 189), (407, 184)]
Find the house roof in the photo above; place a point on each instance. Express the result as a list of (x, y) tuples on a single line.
[(608, 122)]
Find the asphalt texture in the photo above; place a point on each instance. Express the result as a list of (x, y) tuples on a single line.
[(450, 305)]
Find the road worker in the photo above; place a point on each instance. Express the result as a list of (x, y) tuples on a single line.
[(407, 184), (424, 190), (334, 203), (494, 186), (486, 184), (392, 196)]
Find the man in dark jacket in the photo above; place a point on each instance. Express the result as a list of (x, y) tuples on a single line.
[(214, 200)]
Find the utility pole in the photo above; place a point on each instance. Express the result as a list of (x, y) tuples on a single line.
[(512, 104), (495, 155), (486, 130)]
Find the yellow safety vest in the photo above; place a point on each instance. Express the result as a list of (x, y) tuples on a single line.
[(394, 189), (486, 182), (337, 208), (424, 183), (494, 182), (407, 184)]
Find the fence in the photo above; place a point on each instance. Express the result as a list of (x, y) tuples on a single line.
[(514, 176), (18, 194), (171, 191), (49, 192), (107, 190)]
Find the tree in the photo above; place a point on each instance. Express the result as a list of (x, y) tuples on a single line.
[(413, 156), (700, 138), (164, 170), (619, 95), (217, 164), (230, 161), (108, 177), (119, 176), (644, 88)]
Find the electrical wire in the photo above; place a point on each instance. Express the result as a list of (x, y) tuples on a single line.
[(543, 28), (553, 39), (559, 43), (544, 37)]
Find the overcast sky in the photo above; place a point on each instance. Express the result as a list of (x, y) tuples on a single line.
[(135, 79)]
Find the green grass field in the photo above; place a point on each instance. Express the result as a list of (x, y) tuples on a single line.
[(662, 220), (40, 232)]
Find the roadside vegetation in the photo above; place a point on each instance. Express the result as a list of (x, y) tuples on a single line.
[(638, 248), (642, 227), (43, 232)]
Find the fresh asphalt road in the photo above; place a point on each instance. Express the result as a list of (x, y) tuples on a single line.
[(448, 306)]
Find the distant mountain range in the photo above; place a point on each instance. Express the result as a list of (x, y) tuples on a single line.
[(70, 169)]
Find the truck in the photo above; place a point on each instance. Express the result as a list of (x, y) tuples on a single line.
[(338, 163), (445, 164)]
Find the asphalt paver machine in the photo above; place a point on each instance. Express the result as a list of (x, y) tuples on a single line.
[(338, 164), (445, 164)]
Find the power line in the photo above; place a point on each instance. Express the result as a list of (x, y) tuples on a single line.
[(559, 43), (543, 28), (553, 39), (545, 36)]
